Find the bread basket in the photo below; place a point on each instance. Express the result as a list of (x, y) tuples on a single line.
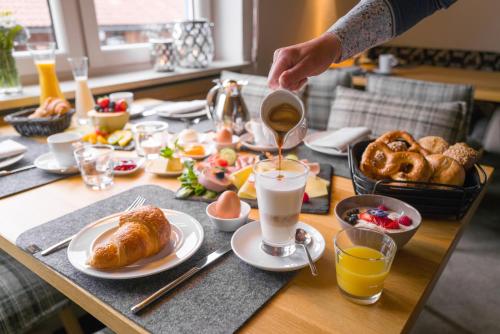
[(44, 126), (430, 199)]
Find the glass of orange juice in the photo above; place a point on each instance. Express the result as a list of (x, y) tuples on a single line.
[(45, 62), (363, 258)]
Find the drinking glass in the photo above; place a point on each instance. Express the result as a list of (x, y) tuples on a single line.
[(150, 137), (84, 101), (95, 164), (45, 62), (279, 197), (363, 258)]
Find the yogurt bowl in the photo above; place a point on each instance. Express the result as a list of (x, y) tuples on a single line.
[(381, 213), (231, 224)]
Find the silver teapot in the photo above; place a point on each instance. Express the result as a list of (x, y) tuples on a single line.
[(225, 104)]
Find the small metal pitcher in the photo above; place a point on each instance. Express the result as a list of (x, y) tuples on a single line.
[(225, 104)]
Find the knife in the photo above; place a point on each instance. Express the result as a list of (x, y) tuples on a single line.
[(9, 172), (188, 274)]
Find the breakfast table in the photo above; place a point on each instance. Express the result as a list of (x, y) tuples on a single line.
[(306, 304)]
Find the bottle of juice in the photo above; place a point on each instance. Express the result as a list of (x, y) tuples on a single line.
[(45, 62), (84, 101)]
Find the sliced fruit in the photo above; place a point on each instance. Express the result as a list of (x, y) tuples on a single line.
[(404, 220), (292, 157), (115, 137), (305, 198), (195, 150), (239, 177), (248, 191), (229, 155), (316, 186), (101, 139), (125, 139)]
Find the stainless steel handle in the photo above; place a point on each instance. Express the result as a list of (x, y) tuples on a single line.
[(164, 290), (57, 246), (9, 172), (314, 270)]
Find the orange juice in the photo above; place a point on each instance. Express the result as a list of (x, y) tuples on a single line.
[(358, 275), (49, 85)]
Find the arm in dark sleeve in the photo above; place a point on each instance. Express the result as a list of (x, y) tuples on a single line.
[(373, 22)]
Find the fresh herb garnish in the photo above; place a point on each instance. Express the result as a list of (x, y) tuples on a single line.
[(189, 182), (167, 152)]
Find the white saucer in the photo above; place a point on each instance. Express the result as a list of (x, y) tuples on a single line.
[(10, 161), (138, 162), (246, 245), (48, 163), (186, 238), (330, 151), (247, 140)]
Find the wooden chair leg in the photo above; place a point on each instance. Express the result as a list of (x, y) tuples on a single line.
[(70, 321)]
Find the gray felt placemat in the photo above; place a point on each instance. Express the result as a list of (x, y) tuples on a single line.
[(28, 179), (218, 300)]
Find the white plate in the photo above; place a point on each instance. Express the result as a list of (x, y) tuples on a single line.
[(138, 161), (246, 245), (247, 140), (209, 150), (5, 162), (330, 151), (193, 114), (135, 110), (158, 167), (186, 239), (48, 163)]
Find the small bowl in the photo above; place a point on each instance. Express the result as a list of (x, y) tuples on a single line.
[(231, 224), (109, 121), (401, 237)]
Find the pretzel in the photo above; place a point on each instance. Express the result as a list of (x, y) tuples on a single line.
[(380, 162), (392, 136)]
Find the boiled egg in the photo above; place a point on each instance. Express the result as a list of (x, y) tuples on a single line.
[(224, 136), (228, 205)]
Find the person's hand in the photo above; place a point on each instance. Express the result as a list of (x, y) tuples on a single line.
[(292, 65)]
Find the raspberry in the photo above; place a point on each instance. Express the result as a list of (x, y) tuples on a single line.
[(382, 207), (305, 198), (392, 225), (366, 217), (404, 220)]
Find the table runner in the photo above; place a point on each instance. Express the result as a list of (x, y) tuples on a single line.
[(28, 179), (218, 300)]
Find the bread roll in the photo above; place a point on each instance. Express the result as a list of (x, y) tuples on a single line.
[(52, 106), (434, 144), (464, 154), (446, 170), (141, 233)]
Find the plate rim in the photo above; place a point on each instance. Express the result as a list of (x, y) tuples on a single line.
[(15, 159), (170, 174), (61, 171), (275, 269), (106, 275), (136, 159)]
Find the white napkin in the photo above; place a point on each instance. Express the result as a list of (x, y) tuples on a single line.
[(340, 139), (10, 148), (182, 107)]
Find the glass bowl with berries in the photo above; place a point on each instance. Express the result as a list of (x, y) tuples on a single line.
[(109, 115), (396, 218)]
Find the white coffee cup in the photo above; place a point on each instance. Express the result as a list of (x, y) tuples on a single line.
[(386, 62), (62, 145), (127, 96), (261, 134)]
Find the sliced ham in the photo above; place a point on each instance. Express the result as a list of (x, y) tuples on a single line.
[(314, 167), (208, 179)]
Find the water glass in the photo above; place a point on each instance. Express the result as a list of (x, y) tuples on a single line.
[(363, 258), (96, 166), (280, 192), (150, 137)]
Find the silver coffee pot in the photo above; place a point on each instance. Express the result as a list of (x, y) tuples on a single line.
[(225, 104)]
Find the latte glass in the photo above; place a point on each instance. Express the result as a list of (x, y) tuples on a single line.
[(279, 197)]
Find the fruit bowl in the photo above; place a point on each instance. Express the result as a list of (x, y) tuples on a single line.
[(109, 121), (400, 236)]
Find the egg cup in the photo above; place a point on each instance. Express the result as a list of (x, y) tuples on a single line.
[(229, 224)]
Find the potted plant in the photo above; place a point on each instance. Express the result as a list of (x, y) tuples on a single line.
[(11, 34)]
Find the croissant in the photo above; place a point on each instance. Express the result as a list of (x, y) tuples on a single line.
[(52, 106), (141, 233)]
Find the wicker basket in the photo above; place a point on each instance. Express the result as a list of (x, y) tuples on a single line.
[(45, 126), (431, 199)]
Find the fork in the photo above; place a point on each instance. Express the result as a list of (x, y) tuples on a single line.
[(139, 201)]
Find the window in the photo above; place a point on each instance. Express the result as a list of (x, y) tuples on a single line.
[(119, 23), (35, 16)]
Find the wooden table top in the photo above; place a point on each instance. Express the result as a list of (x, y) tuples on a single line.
[(486, 84), (306, 304)]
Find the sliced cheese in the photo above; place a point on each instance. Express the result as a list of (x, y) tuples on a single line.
[(239, 177), (247, 191), (316, 186)]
